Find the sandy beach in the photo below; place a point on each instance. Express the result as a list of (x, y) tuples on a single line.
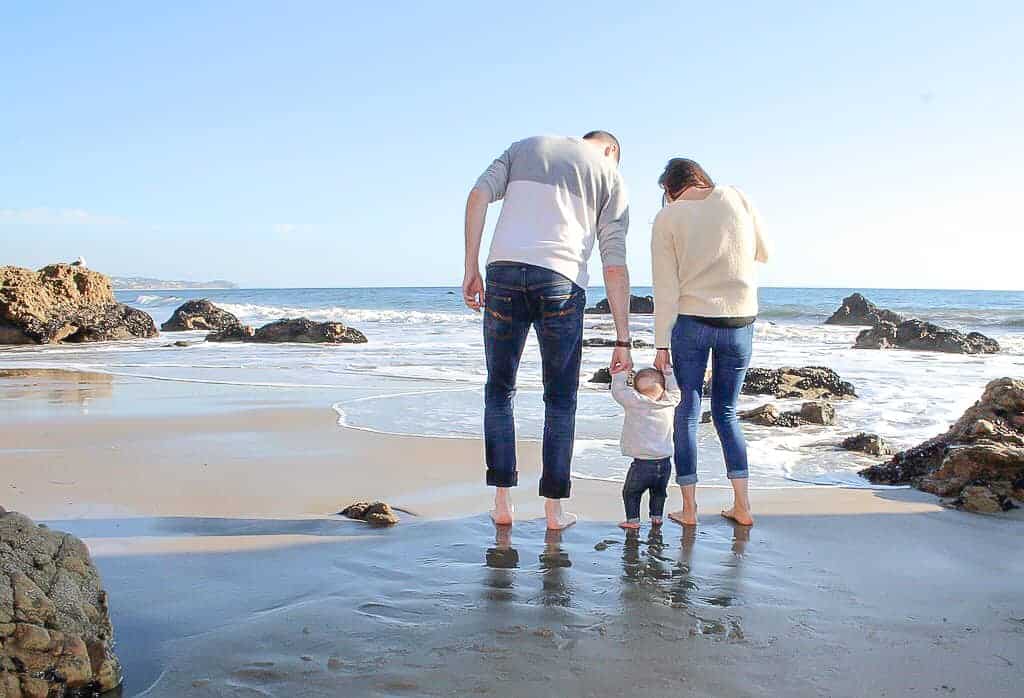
[(209, 511)]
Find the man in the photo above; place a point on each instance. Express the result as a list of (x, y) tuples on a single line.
[(560, 196)]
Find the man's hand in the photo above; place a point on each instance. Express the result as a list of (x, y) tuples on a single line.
[(622, 360), (473, 290), (663, 361)]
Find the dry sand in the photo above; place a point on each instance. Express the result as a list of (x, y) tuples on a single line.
[(208, 512)]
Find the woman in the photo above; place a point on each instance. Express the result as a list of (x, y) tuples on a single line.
[(706, 240)]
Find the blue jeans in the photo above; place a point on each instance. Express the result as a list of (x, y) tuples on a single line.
[(730, 350), (646, 476), (520, 296)]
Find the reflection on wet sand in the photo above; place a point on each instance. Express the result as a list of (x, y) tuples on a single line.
[(55, 386)]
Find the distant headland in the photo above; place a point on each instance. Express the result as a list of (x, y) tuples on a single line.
[(141, 283)]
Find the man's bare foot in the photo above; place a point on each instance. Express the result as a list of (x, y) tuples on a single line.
[(686, 517), (633, 525), (503, 512), (741, 517), (655, 520)]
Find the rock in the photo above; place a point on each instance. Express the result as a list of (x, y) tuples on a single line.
[(881, 336), (602, 342), (55, 633), (64, 303), (234, 333), (858, 310), (376, 513), (985, 447), (982, 500), (924, 336), (768, 415), (872, 444), (300, 330), (638, 305), (199, 315), (602, 375), (809, 383), (818, 413)]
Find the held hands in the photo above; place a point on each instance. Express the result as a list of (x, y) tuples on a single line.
[(622, 360), (663, 361), (473, 290)]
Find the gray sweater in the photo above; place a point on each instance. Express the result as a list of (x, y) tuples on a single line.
[(560, 196), (647, 429)]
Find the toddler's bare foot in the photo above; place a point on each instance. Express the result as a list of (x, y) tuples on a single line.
[(684, 517), (739, 516), (630, 524)]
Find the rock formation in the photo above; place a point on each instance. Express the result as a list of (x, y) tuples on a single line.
[(808, 383), (376, 513), (56, 639), (924, 336), (872, 444), (979, 460), (64, 303), (858, 310), (291, 330), (199, 314), (768, 415), (638, 305), (602, 375), (602, 342)]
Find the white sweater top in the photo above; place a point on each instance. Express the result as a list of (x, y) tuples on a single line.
[(703, 252), (647, 428)]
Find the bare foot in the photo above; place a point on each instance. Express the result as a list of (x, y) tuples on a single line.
[(655, 520), (741, 517), (563, 520), (630, 525), (687, 517), (504, 516)]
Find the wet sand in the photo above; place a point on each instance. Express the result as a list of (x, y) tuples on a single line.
[(208, 512)]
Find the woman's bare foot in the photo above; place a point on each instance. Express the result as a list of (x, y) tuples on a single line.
[(503, 512), (684, 517), (632, 525), (556, 518), (741, 517)]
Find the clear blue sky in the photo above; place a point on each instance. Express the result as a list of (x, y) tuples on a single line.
[(330, 144)]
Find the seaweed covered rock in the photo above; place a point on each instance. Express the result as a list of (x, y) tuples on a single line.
[(56, 639), (881, 336), (65, 303), (199, 314), (300, 330), (602, 375), (858, 310), (924, 336), (808, 383), (376, 513), (983, 449), (872, 444), (768, 415), (602, 342), (638, 305)]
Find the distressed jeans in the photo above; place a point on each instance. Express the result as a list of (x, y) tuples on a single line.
[(521, 296)]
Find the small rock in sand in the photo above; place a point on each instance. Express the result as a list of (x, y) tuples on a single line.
[(872, 444), (377, 513)]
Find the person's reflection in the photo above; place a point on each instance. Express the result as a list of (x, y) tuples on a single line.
[(500, 561), (554, 560), (720, 584)]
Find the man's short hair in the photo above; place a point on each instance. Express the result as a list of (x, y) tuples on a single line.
[(646, 376), (607, 138)]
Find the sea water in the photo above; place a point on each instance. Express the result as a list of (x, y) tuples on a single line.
[(422, 371)]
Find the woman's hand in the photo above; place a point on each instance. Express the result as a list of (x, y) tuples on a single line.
[(663, 361)]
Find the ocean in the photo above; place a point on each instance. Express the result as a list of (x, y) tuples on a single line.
[(422, 371)]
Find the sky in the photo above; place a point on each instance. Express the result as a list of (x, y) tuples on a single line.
[(324, 144)]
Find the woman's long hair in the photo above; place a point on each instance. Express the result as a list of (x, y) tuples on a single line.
[(680, 174)]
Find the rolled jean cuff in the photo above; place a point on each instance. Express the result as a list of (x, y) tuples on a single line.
[(686, 479), (498, 478), (738, 474), (554, 490)]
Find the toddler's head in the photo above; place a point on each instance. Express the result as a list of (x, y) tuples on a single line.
[(649, 382)]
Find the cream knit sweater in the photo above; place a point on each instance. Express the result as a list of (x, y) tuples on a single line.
[(703, 252)]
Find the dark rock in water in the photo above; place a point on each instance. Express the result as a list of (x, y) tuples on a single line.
[(300, 330), (984, 448), (872, 444), (602, 342), (376, 513), (858, 310), (818, 413), (234, 333), (56, 639), (638, 305), (65, 303), (925, 336), (180, 343), (768, 415), (809, 383), (199, 315), (602, 375)]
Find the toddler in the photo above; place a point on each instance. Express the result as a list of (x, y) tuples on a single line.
[(650, 404)]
